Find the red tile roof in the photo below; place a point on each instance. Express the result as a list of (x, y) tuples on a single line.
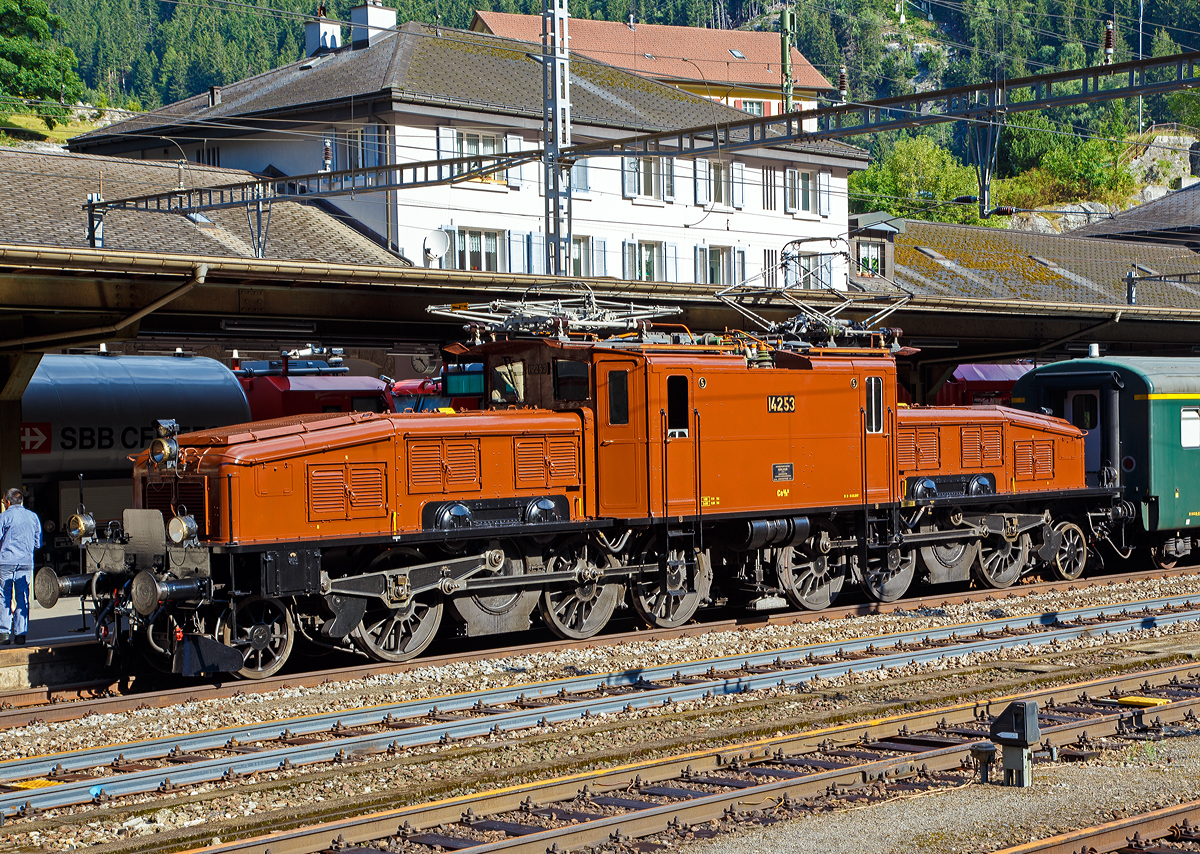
[(668, 53)]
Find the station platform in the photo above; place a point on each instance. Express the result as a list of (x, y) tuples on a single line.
[(55, 652)]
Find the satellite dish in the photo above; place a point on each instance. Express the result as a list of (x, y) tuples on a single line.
[(437, 244)]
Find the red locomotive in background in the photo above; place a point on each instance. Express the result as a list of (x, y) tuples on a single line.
[(662, 468)]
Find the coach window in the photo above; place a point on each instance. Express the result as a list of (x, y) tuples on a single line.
[(1084, 411), (874, 404), (618, 398), (508, 383), (677, 407), (571, 380), (1189, 428)]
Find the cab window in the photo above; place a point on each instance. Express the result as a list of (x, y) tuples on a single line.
[(1084, 411), (618, 397), (508, 383), (571, 380), (677, 407), (874, 404)]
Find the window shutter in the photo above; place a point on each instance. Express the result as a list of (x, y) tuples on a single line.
[(739, 185), (702, 182), (827, 270), (790, 272), (512, 145), (823, 191), (766, 108), (537, 253), (628, 259), (599, 257), (446, 148), (672, 258), (579, 176), (739, 270), (517, 261), (701, 265), (791, 180), (737, 103), (450, 260), (668, 179), (629, 177)]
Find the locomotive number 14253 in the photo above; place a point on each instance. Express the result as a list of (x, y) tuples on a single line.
[(781, 403)]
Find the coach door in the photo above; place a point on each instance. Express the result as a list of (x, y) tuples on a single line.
[(1083, 410), (621, 463), (678, 427), (877, 441)]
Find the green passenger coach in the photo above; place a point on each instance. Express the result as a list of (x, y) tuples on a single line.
[(1142, 417)]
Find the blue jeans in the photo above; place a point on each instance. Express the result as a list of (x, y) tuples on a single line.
[(15, 581)]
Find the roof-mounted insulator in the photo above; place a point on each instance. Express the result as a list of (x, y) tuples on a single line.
[(321, 11), (328, 156), (1109, 40), (843, 85)]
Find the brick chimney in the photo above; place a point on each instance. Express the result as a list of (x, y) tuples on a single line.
[(370, 22), (321, 34)]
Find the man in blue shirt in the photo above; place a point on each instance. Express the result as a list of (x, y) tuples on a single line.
[(20, 535)]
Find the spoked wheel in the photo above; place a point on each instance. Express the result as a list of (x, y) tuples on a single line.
[(1072, 556), (810, 578), (398, 634), (889, 576), (670, 595), (263, 632), (504, 610), (1001, 561), (581, 608)]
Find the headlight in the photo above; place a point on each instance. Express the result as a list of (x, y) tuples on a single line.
[(163, 451), (81, 526), (182, 529)]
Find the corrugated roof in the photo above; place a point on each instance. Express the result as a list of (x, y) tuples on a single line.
[(455, 68), (937, 259), (667, 52), (1178, 211), (42, 194)]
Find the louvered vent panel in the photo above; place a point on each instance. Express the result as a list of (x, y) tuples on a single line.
[(927, 449), (367, 487), (462, 465), (993, 446), (424, 467), (906, 449), (1023, 460), (326, 493), (564, 461), (531, 464), (972, 448), (174, 493), (1043, 460)]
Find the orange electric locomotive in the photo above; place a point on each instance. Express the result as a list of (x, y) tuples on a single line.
[(656, 467)]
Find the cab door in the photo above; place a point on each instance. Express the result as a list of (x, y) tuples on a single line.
[(621, 465), (678, 429), (877, 429)]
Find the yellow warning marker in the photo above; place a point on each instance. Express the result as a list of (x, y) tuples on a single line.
[(37, 783), (1143, 702)]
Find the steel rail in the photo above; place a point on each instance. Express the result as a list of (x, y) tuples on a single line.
[(1114, 835), (43, 705), (344, 834), (408, 710), (136, 782)]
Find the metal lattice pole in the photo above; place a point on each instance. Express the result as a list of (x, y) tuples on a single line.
[(556, 121)]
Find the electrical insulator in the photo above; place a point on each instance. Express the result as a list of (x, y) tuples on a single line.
[(1003, 210), (1109, 40), (843, 85), (328, 156)]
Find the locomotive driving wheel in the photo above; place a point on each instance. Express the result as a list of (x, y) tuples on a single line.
[(398, 634), (888, 576), (1071, 558), (669, 595), (811, 577), (502, 610), (1001, 560), (262, 630), (583, 607)]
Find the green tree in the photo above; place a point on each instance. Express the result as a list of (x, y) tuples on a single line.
[(916, 178), (33, 69)]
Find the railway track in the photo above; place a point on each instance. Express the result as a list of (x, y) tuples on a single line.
[(1172, 829), (108, 696), (704, 793), (169, 764)]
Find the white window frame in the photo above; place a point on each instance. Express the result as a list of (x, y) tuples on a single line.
[(870, 258), (471, 143), (637, 254), (754, 108), (581, 255), (798, 191), (462, 249)]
